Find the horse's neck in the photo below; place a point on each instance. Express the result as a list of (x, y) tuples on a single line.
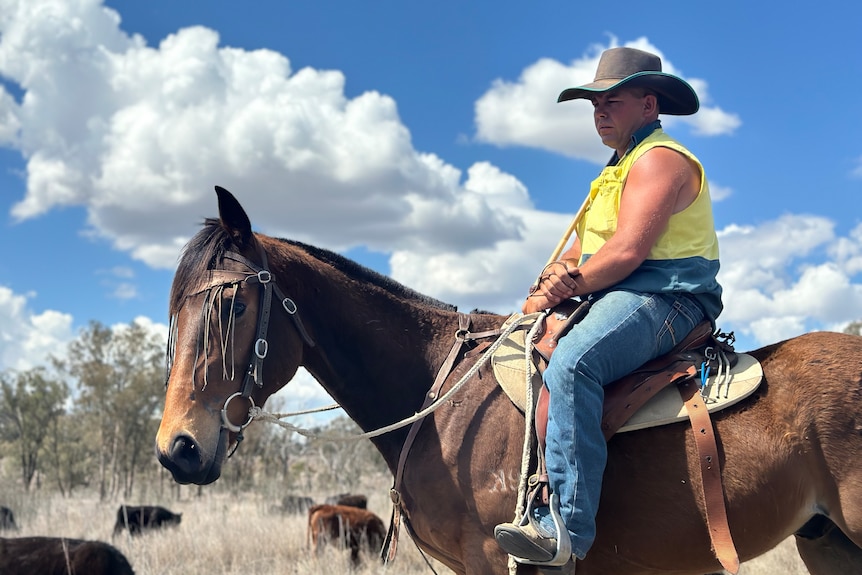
[(376, 354)]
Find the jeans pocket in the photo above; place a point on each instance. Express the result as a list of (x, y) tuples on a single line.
[(683, 315)]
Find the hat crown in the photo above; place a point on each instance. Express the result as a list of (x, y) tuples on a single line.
[(622, 62)]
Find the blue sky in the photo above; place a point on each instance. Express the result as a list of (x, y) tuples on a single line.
[(422, 139)]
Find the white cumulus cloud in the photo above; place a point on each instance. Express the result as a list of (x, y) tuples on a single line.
[(139, 135), (28, 338)]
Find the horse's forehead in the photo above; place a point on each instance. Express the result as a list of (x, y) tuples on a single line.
[(216, 278), (192, 278)]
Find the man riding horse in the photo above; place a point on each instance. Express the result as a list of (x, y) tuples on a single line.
[(646, 258)]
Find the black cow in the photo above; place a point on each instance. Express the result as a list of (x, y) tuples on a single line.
[(7, 519), (349, 499), (60, 556), (140, 518), (296, 504)]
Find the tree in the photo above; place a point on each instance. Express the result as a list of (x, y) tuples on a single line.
[(67, 454), (88, 362), (854, 328), (139, 356), (119, 374), (30, 404)]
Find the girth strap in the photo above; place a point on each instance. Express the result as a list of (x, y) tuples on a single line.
[(710, 472)]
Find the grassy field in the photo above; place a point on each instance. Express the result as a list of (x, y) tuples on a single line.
[(239, 535), (219, 535)]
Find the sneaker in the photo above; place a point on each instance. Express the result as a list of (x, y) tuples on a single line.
[(543, 521), (525, 542)]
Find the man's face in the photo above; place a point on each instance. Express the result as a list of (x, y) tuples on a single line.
[(619, 114)]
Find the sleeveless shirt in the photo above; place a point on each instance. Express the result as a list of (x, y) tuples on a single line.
[(685, 256)]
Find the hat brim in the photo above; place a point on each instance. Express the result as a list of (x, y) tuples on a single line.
[(676, 97)]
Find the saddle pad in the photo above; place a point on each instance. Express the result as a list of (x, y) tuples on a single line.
[(508, 363), (667, 406), (509, 366)]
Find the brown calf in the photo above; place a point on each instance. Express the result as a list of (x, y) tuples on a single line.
[(354, 528), (60, 556)]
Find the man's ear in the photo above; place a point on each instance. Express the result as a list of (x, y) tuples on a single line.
[(650, 104)]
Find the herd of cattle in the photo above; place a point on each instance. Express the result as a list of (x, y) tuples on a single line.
[(342, 519)]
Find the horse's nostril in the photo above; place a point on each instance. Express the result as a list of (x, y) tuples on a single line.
[(184, 457), (185, 450)]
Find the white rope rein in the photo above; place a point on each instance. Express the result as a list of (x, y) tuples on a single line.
[(259, 414), (528, 430)]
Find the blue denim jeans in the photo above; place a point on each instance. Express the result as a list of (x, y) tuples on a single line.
[(622, 331)]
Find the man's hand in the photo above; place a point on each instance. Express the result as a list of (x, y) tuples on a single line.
[(557, 282)]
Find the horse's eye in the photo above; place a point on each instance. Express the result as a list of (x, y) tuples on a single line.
[(238, 308)]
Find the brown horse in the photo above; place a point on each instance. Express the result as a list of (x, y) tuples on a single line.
[(790, 454)]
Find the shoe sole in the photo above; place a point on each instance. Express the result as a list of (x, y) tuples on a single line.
[(515, 543)]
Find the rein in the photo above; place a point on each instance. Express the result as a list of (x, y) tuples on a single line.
[(433, 400), (258, 412)]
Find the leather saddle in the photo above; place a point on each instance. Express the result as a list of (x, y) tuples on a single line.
[(644, 397)]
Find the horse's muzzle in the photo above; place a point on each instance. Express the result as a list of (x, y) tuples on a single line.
[(186, 462)]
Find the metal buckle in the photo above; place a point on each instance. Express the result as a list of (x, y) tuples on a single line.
[(261, 343)]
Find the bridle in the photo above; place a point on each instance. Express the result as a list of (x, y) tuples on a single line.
[(254, 374)]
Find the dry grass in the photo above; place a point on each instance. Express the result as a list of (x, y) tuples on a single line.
[(219, 535), (224, 535)]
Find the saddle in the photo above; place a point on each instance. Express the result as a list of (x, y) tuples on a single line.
[(635, 401), (643, 398)]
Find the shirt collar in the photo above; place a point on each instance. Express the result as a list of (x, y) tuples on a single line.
[(638, 137)]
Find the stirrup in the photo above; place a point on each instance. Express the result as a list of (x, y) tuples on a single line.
[(564, 542)]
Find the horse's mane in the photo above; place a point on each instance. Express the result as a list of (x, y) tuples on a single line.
[(364, 274), (209, 245)]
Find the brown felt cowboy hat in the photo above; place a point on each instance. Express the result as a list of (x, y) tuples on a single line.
[(631, 67)]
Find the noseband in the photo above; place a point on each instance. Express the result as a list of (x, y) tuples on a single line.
[(262, 276)]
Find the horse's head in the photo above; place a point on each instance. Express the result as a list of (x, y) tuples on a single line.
[(222, 301)]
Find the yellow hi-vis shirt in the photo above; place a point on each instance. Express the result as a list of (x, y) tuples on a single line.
[(685, 256)]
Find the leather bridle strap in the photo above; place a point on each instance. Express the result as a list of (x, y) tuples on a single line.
[(254, 373), (288, 304), (461, 337)]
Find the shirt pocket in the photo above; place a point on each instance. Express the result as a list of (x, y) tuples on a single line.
[(601, 219)]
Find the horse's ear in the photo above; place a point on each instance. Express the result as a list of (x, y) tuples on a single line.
[(233, 218)]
